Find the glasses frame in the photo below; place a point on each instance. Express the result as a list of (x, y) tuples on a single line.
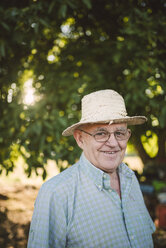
[(109, 135)]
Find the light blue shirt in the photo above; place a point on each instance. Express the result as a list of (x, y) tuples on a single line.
[(78, 209)]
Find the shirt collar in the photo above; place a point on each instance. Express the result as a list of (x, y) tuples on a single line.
[(99, 177), (125, 170), (92, 172)]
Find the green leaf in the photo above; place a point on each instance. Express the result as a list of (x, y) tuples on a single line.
[(87, 3), (162, 118), (2, 48), (51, 6), (42, 21), (63, 10), (5, 26), (48, 125)]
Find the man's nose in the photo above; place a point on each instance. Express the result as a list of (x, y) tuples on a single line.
[(112, 140)]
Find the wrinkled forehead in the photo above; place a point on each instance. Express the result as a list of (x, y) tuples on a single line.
[(101, 126)]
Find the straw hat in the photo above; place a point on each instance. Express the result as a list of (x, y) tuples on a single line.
[(104, 106)]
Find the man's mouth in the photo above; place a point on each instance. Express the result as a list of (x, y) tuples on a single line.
[(109, 152)]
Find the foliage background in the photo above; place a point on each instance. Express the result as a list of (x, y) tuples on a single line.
[(69, 48)]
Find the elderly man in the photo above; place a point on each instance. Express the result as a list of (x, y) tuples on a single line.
[(96, 203)]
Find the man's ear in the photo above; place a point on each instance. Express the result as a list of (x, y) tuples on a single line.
[(78, 137), (129, 133)]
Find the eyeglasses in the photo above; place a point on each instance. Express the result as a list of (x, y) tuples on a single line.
[(103, 136)]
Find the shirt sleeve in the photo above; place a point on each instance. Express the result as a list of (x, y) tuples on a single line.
[(48, 225)]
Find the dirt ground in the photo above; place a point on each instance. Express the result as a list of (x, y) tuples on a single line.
[(17, 197), (16, 207)]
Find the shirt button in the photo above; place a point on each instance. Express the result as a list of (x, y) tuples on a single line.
[(110, 190), (99, 186), (132, 237), (104, 175)]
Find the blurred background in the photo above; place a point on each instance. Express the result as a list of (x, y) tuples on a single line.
[(51, 54)]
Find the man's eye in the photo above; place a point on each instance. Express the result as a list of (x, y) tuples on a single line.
[(119, 133), (101, 134)]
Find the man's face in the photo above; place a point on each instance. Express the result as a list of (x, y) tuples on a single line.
[(108, 155)]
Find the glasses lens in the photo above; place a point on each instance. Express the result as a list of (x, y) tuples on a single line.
[(101, 136), (121, 135)]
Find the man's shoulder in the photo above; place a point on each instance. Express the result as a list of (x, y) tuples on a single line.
[(62, 180)]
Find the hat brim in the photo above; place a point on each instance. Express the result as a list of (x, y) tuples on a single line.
[(134, 120)]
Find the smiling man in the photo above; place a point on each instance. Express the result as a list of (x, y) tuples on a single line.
[(106, 151), (97, 202)]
